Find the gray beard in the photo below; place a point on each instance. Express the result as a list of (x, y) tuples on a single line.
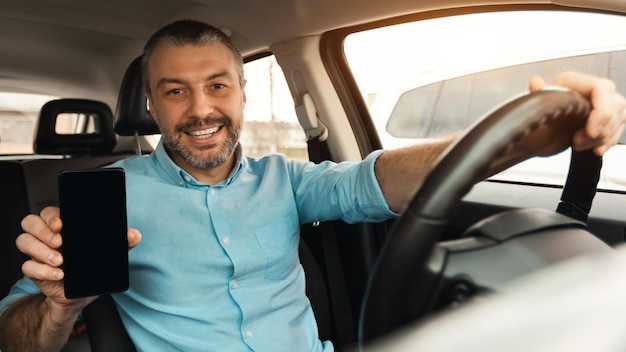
[(174, 146)]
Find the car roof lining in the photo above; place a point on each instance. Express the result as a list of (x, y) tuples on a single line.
[(113, 33)]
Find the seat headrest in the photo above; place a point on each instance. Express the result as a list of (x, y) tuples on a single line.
[(131, 115), (98, 136)]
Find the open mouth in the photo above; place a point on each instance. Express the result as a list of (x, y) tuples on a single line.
[(205, 133)]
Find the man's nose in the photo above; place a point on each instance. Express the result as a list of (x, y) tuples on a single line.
[(201, 105)]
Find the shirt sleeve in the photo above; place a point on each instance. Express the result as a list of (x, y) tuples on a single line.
[(24, 287), (348, 191)]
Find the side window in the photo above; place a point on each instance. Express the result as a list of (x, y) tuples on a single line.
[(18, 116), (270, 122), (432, 85)]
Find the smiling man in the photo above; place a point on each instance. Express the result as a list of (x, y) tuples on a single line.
[(196, 95), (217, 267)]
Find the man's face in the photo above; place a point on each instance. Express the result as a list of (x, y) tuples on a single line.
[(197, 101)]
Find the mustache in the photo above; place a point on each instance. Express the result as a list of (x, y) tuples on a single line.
[(207, 121)]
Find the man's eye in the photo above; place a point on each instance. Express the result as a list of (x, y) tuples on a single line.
[(175, 91), (219, 86)]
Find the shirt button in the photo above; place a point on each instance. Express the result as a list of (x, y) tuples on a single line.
[(248, 334), (212, 191), (234, 284), (226, 240), (187, 178)]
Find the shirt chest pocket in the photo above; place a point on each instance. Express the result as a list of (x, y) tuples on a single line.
[(279, 243)]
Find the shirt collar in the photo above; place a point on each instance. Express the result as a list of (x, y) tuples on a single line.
[(182, 177)]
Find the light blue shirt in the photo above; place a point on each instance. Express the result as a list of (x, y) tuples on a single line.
[(217, 268)]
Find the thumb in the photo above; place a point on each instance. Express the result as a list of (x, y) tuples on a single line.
[(536, 83), (134, 237)]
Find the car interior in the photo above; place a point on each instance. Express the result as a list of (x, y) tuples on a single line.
[(409, 282)]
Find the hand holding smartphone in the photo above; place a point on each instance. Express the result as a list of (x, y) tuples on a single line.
[(95, 245)]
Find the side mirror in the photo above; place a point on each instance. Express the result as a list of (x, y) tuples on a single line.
[(419, 113)]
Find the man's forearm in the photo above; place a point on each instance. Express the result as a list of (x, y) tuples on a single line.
[(400, 172), (35, 324)]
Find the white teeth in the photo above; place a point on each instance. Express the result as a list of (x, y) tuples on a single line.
[(204, 133)]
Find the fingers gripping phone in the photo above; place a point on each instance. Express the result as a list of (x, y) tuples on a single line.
[(95, 244)]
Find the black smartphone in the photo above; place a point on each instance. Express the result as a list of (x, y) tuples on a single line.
[(94, 233)]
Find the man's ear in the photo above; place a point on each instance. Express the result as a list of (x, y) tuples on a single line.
[(243, 90), (148, 105)]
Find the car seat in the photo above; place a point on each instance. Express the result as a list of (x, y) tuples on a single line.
[(30, 184), (13, 207), (89, 149)]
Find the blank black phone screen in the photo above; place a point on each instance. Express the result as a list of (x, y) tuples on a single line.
[(95, 245)]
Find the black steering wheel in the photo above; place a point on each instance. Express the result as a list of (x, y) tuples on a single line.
[(401, 287)]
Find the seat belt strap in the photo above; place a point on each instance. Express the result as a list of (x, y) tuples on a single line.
[(339, 300)]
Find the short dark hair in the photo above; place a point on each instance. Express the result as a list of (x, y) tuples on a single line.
[(188, 32)]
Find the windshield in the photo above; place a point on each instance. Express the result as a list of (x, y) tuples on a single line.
[(440, 75)]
